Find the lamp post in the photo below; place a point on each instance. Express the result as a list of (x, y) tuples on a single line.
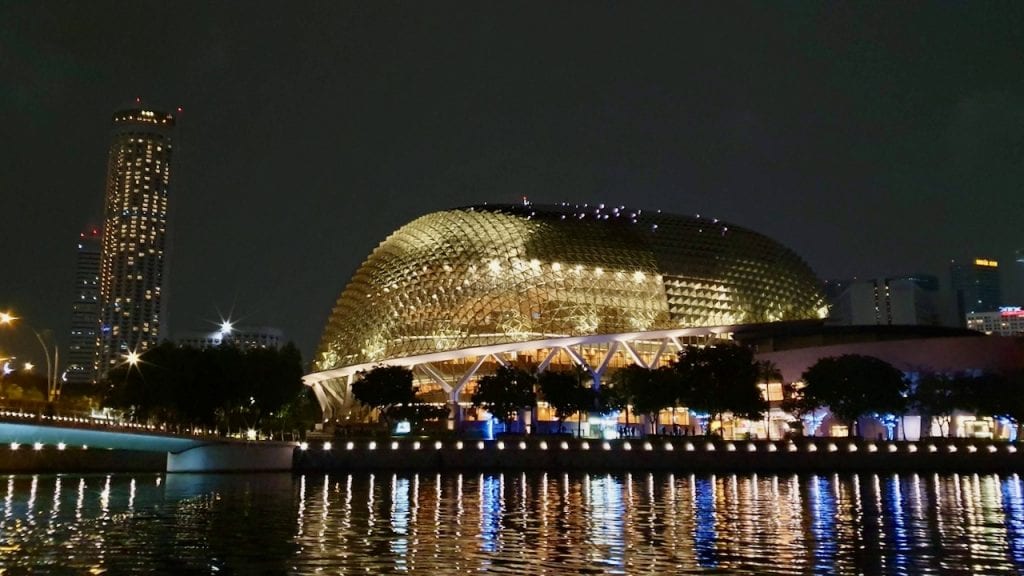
[(53, 384)]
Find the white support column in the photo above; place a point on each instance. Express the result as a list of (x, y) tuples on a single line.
[(465, 377), (661, 350), (675, 340), (577, 358), (583, 364), (330, 391), (325, 403), (435, 376), (632, 352), (455, 409), (547, 360), (612, 349), (497, 358)]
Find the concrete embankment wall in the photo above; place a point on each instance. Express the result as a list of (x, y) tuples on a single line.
[(234, 457), (50, 460), (673, 454), (225, 457)]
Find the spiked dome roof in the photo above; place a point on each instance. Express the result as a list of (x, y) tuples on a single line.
[(494, 274)]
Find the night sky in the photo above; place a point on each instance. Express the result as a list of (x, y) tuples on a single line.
[(873, 139)]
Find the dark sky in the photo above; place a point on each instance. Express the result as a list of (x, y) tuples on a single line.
[(873, 139)]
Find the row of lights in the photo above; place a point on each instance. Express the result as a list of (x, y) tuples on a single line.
[(688, 447), (39, 446), (69, 419), (93, 421)]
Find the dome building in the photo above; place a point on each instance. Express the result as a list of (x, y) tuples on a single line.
[(454, 294)]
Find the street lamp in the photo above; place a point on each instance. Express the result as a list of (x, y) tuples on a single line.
[(52, 365)]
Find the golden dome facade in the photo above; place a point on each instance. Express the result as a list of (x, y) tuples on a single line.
[(496, 274)]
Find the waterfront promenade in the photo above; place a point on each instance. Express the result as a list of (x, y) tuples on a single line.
[(53, 444), (679, 454)]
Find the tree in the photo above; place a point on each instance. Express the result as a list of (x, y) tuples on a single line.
[(998, 395), (567, 392), (623, 385), (767, 373), (505, 392), (649, 391), (938, 396), (385, 389), (852, 386), (293, 417), (718, 379), (223, 387)]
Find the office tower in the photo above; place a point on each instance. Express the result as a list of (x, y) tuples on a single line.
[(976, 287), (897, 300), (85, 309), (132, 304)]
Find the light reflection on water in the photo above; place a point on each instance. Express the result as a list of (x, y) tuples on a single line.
[(513, 523)]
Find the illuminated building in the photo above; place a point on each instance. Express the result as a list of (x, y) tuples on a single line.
[(85, 309), (134, 235), (976, 287), (456, 293), (1007, 321), (244, 337), (901, 300)]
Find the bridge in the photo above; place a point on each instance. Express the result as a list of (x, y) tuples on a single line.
[(185, 453)]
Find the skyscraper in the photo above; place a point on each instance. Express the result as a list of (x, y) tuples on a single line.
[(85, 309), (132, 307), (976, 287)]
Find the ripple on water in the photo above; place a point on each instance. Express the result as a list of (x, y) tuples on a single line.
[(512, 523)]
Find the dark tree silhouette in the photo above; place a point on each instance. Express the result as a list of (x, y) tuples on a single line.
[(506, 392), (718, 379), (852, 386), (649, 391), (568, 393), (999, 395), (385, 389), (937, 396), (223, 387), (768, 372)]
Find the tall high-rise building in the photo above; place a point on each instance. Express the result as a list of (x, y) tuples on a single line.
[(85, 309), (976, 287), (132, 306)]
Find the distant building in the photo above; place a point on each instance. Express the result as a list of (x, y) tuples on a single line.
[(85, 309), (1007, 321), (244, 337), (976, 287), (132, 304), (899, 300)]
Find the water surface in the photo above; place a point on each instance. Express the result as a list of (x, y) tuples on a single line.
[(531, 523)]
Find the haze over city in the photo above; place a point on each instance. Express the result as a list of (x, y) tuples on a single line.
[(872, 140)]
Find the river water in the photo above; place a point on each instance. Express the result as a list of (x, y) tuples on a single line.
[(531, 523)]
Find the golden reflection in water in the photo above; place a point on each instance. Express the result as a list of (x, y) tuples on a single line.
[(55, 505), (517, 523), (301, 516), (80, 502), (9, 500), (32, 499), (105, 497)]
